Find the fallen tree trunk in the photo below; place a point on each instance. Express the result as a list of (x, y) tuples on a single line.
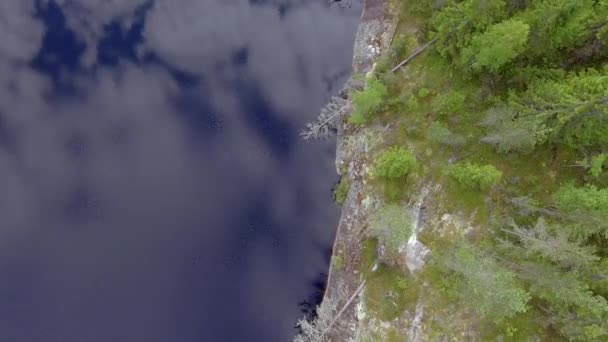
[(414, 54), (355, 294)]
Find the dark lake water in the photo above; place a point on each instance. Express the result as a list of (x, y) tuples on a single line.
[(154, 185)]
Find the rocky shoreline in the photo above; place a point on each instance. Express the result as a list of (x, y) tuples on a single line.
[(374, 35)]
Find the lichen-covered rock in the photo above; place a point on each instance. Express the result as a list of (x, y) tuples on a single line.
[(416, 252), (415, 255)]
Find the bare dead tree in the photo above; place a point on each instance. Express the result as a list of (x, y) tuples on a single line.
[(328, 317), (338, 107), (327, 120), (342, 3)]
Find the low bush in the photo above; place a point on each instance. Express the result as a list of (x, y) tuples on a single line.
[(475, 176), (341, 190), (392, 226), (440, 134), (395, 163), (368, 101), (451, 104)]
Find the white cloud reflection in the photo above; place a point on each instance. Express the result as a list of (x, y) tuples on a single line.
[(116, 195)]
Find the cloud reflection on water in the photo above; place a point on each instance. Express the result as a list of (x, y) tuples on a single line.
[(158, 191)]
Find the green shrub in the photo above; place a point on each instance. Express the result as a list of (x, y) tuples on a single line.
[(368, 101), (475, 176), (424, 92), (585, 208), (440, 134), (341, 190), (452, 104), (402, 283), (402, 45), (597, 164), (358, 119), (391, 81), (602, 34), (594, 331), (395, 163), (392, 226), (589, 198), (383, 65), (411, 104)]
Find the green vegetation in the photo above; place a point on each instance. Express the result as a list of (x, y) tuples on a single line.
[(369, 255), (424, 92), (569, 108), (505, 118), (474, 176), (497, 46), (392, 226), (556, 268), (341, 190), (395, 163), (589, 199), (392, 168), (368, 101), (508, 114), (402, 45), (488, 287), (585, 210), (598, 163), (389, 293), (440, 134), (451, 104)]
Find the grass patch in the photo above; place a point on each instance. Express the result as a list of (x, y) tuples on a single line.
[(389, 292), (338, 262), (392, 226), (518, 328), (369, 255), (394, 336), (341, 190), (466, 201)]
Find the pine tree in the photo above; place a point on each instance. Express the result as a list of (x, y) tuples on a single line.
[(487, 286), (571, 110), (553, 244), (496, 47)]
